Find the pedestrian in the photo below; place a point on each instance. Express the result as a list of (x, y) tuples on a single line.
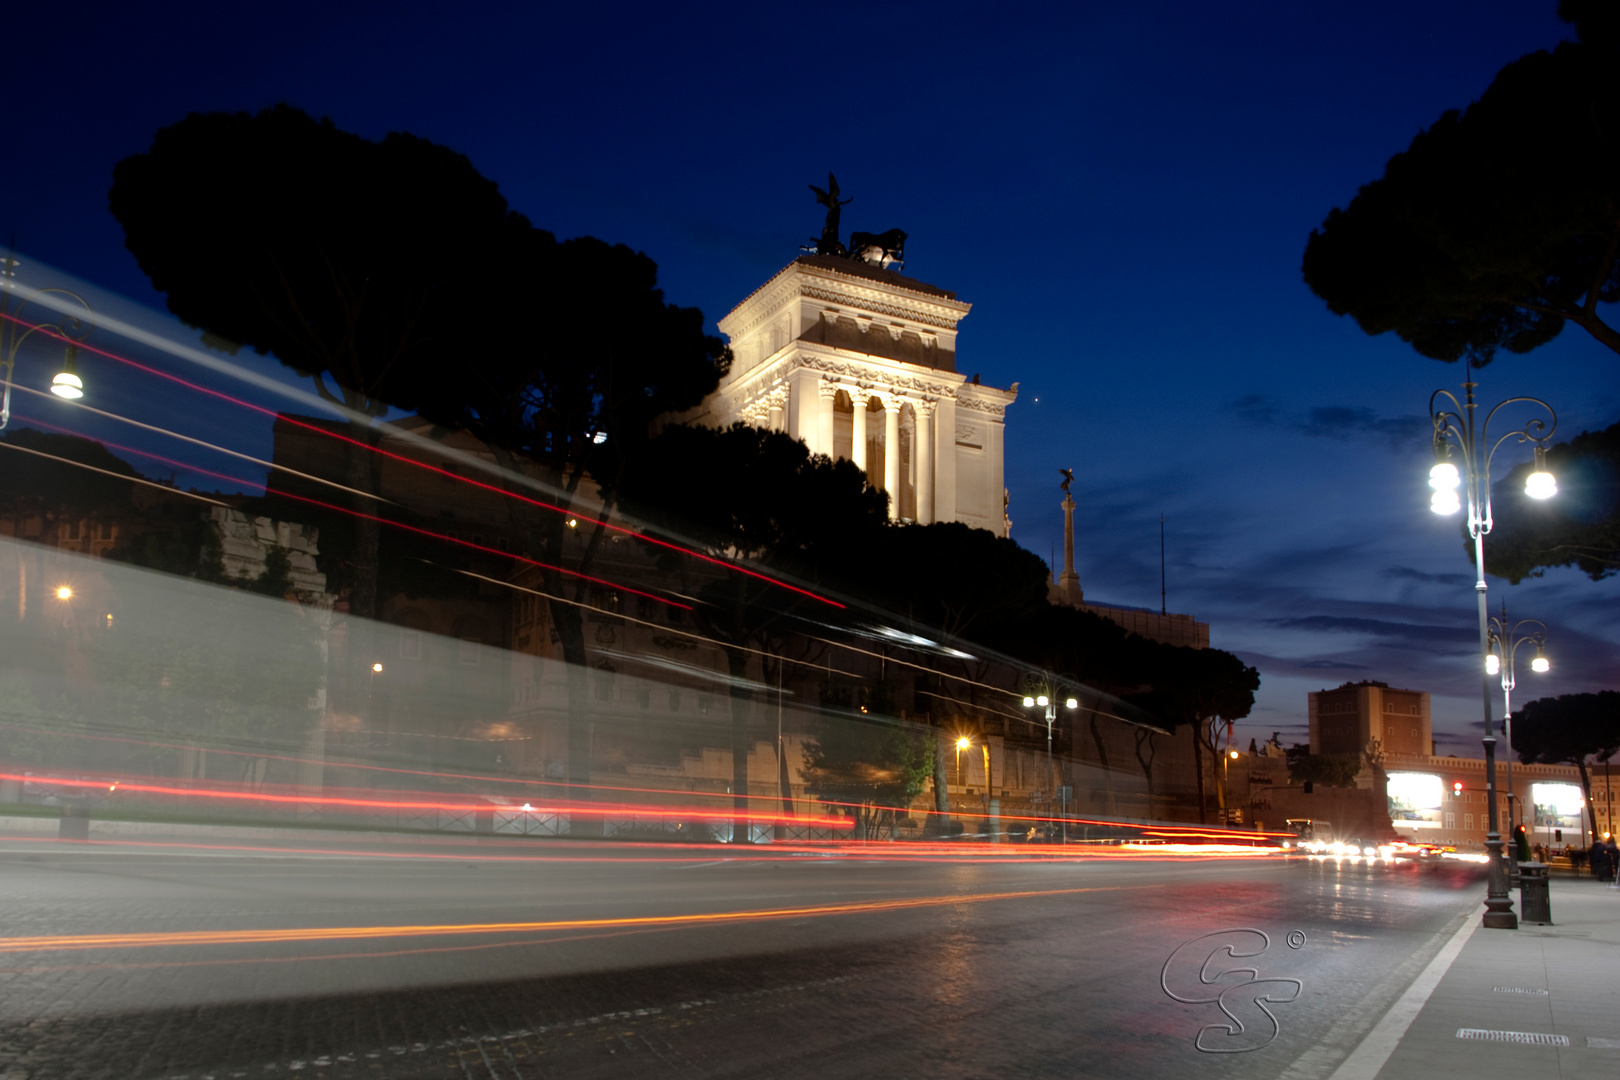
[(1598, 855), (1611, 857)]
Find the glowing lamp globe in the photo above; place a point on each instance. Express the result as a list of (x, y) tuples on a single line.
[(1445, 502), (1493, 664), (1540, 485), (1029, 703), (1443, 477), (1041, 701), (67, 385), (1072, 703)]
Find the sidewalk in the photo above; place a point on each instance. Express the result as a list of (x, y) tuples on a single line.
[(1536, 1002)]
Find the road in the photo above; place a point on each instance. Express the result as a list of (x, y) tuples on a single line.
[(355, 956)]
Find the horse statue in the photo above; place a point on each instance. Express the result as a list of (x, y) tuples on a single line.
[(879, 249)]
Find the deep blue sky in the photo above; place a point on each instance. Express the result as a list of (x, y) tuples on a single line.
[(1122, 191)]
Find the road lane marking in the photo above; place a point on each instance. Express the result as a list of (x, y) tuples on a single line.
[(151, 939), (1369, 1057)]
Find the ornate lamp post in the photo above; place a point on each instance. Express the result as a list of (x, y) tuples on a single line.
[(1456, 435), (1042, 693), (1505, 639), (14, 330)]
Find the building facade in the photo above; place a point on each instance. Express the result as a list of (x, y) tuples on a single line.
[(1348, 719), (860, 363)]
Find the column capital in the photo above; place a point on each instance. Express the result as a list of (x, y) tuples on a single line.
[(891, 402), (827, 388)]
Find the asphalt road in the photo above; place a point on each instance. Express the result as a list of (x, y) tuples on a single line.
[(346, 956)]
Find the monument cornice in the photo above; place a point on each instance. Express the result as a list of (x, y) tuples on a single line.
[(833, 286), (909, 380)]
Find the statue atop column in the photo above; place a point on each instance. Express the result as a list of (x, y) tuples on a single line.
[(829, 244)]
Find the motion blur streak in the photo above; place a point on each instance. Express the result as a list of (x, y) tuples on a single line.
[(349, 933), (154, 429), (447, 474), (486, 550), (471, 804), (107, 472)]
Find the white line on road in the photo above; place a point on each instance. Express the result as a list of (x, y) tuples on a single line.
[(1366, 1060)]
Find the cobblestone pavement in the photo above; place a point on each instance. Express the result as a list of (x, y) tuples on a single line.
[(1022, 969)]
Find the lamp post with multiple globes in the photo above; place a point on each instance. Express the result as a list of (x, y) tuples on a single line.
[(1505, 639), (1041, 693), (15, 329), (1458, 436)]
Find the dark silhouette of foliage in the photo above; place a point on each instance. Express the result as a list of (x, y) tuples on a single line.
[(1204, 688), (32, 485), (1568, 729), (747, 494), (1580, 527), (1500, 223), (351, 261), (1328, 770), (580, 354), (872, 763)]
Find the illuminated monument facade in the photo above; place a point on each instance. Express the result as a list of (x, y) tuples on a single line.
[(859, 361)]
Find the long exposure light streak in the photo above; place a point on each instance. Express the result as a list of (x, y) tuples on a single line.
[(185, 465), (487, 550), (108, 472), (437, 449), (170, 939), (202, 443)]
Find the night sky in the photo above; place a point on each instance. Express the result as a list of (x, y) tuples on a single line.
[(1122, 191)]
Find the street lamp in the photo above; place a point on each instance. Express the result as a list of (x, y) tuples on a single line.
[(1043, 693), (1505, 639), (14, 330), (1457, 436)]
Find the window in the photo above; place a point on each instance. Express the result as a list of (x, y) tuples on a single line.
[(1468, 822), (674, 701), (644, 699), (1451, 819), (469, 652), (705, 702), (604, 683), (410, 645)]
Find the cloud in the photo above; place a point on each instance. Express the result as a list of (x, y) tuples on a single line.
[(1332, 665), (1256, 409), (1407, 573), (1339, 422), (1344, 422), (1415, 634)]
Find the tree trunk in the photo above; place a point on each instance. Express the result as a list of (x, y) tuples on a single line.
[(1198, 767), (942, 790), (1586, 787), (570, 627), (741, 699)]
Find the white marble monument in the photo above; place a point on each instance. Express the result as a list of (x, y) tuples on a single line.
[(860, 363)]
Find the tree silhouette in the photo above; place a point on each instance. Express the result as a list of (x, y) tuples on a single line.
[(1501, 222), (1568, 729), (747, 494), (1581, 527), (351, 261), (579, 354)]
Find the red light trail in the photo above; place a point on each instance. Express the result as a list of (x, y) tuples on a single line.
[(541, 504)]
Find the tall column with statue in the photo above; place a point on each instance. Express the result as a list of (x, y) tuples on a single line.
[(1068, 581)]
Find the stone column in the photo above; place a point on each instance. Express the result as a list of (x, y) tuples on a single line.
[(857, 448), (777, 417), (1069, 581), (923, 454), (891, 453), (824, 418)]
